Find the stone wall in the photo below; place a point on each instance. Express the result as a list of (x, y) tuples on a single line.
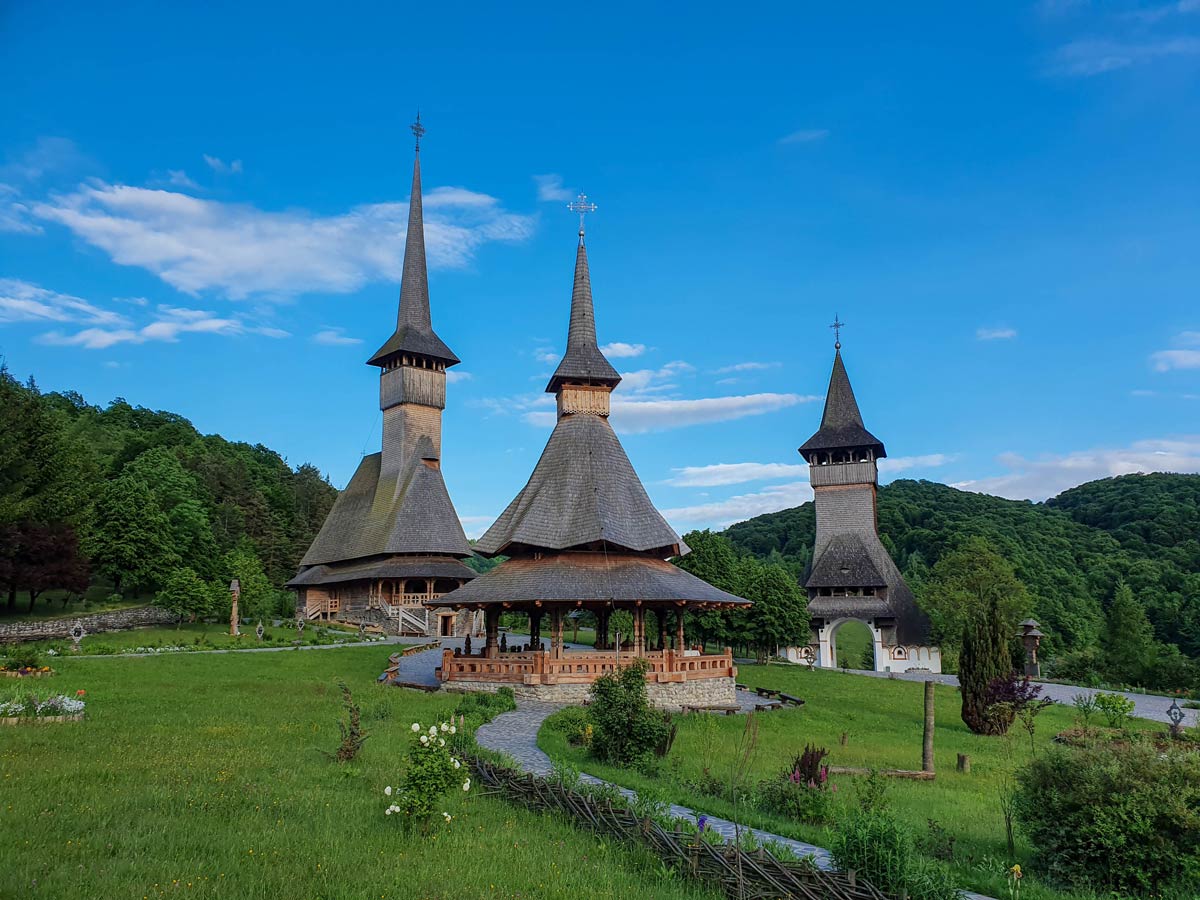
[(663, 695), (116, 620)]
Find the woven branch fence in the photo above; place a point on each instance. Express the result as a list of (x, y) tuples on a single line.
[(741, 874)]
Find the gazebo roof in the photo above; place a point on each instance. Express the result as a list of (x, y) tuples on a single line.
[(587, 578), (391, 567)]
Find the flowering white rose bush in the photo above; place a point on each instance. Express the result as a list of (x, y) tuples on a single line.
[(431, 774)]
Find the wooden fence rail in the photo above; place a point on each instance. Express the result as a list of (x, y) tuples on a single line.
[(741, 874)]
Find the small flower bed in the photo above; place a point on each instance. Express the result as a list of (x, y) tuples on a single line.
[(433, 772), (9, 670), (53, 707)]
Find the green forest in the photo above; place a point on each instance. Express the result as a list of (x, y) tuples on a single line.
[(1072, 554), (121, 501)]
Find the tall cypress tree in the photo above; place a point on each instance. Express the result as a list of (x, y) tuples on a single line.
[(985, 657)]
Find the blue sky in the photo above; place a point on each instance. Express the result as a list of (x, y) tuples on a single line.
[(202, 209)]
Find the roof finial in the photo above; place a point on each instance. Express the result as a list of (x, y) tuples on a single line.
[(583, 206), (418, 129), (837, 327)]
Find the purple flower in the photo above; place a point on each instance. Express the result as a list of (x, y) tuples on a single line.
[(702, 823)]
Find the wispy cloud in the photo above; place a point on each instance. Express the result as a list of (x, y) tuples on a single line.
[(546, 356), (619, 350), (1037, 479), (333, 337), (239, 251), (15, 215), (179, 178), (646, 381), (550, 189), (454, 376), (747, 367), (995, 334), (721, 513), (734, 473), (1095, 56), (21, 301), (634, 416), (720, 474), (221, 167), (805, 136), (1187, 358)]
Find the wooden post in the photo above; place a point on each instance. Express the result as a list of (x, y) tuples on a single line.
[(964, 764), (556, 635), (662, 628), (535, 629), (491, 623), (639, 630), (927, 743), (845, 739), (679, 646)]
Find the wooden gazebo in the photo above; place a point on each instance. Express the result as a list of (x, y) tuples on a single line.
[(583, 534)]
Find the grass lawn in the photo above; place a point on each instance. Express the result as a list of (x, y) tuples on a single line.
[(202, 776), (883, 723), (850, 642)]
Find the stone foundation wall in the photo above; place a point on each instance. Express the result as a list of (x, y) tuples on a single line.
[(666, 695), (116, 620)]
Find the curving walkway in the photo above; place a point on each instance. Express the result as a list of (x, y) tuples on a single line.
[(515, 734)]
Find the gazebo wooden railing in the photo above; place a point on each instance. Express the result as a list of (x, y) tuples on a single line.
[(582, 666)]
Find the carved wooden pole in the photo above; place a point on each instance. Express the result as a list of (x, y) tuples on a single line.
[(927, 744)]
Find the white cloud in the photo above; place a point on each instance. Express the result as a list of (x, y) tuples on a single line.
[(1165, 360), (550, 189), (747, 367), (14, 213), (739, 473), (48, 155), (735, 473), (219, 165), (805, 136), (1037, 479), (21, 301), (621, 350), (454, 376), (169, 323), (179, 178), (333, 337), (995, 334), (546, 356), (721, 513), (637, 416), (1095, 56), (196, 244), (475, 526), (892, 464), (642, 381)]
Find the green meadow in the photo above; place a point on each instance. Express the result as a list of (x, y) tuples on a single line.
[(204, 776), (882, 720)]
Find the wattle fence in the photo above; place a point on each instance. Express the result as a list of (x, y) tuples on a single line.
[(741, 874)]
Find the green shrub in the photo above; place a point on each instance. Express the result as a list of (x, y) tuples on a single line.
[(624, 727), (796, 800), (571, 722), (1123, 820), (25, 655), (1116, 709), (883, 852)]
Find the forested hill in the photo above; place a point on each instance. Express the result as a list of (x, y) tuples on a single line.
[(126, 496), (1069, 551)]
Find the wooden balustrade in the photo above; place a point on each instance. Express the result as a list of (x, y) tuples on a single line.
[(581, 667)]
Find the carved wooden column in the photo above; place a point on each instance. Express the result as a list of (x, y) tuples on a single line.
[(491, 625), (661, 615), (679, 646), (535, 629), (602, 629), (639, 631), (556, 636)]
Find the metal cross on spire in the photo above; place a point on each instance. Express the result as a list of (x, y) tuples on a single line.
[(837, 327), (418, 129), (583, 206)]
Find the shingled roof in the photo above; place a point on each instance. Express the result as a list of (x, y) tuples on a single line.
[(842, 424), (375, 516), (583, 362), (845, 563), (414, 329), (390, 567), (588, 577), (583, 490)]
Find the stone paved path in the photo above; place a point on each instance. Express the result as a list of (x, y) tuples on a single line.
[(515, 733)]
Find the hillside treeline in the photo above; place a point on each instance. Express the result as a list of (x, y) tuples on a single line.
[(125, 498), (1071, 553)]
